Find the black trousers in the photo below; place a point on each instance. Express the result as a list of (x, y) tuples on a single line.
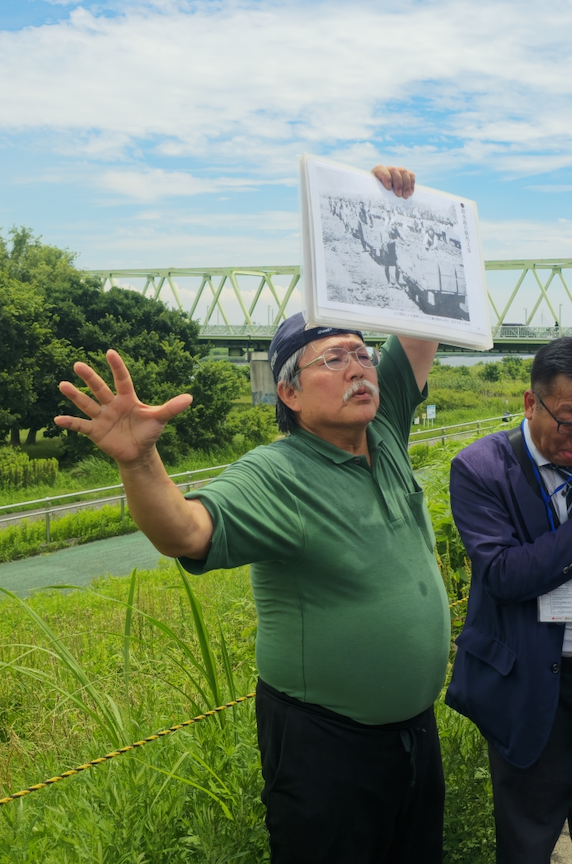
[(340, 792), (531, 804)]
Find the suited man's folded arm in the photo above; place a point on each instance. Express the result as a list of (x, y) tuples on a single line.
[(510, 571)]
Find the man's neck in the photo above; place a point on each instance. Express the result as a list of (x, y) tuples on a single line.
[(353, 441), (536, 454)]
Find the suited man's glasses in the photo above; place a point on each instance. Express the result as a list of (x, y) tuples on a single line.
[(562, 426)]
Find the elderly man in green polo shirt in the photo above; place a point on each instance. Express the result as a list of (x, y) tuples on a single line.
[(353, 627)]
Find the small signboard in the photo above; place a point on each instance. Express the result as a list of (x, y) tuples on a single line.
[(431, 412)]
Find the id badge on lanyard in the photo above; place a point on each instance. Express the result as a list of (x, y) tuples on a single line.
[(556, 606)]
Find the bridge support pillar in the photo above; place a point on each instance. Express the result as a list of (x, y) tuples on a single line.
[(261, 380)]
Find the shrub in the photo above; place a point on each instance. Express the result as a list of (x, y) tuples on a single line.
[(17, 470), (491, 372), (254, 426)]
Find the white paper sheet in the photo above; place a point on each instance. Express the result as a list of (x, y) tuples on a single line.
[(388, 265), (556, 605)]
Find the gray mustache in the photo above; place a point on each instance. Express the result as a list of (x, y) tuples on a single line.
[(362, 384)]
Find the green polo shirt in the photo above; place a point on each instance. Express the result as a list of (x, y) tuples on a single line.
[(352, 611)]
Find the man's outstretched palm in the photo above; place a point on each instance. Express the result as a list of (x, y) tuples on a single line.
[(121, 425)]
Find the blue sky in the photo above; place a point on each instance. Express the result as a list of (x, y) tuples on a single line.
[(166, 133)]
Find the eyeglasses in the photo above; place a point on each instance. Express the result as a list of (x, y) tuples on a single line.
[(337, 359), (567, 424)]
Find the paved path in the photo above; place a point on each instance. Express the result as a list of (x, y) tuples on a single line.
[(78, 565)]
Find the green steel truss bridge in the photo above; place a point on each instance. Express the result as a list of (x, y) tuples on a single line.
[(257, 299)]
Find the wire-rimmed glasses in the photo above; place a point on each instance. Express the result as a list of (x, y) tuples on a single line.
[(567, 424), (337, 359)]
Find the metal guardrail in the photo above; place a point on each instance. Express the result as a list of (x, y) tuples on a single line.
[(48, 509), (477, 426)]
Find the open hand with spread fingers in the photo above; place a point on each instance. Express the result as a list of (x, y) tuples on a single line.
[(120, 424)]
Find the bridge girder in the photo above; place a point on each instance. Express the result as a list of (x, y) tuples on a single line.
[(227, 284)]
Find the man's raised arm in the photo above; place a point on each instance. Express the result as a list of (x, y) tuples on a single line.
[(126, 429), (420, 354)]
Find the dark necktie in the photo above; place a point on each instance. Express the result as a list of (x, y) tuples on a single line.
[(565, 472)]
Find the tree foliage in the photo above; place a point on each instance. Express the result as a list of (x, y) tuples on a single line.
[(32, 358), (52, 314)]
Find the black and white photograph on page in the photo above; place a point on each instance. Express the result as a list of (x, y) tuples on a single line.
[(399, 265)]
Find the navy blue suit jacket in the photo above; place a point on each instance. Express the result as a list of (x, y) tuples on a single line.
[(506, 673)]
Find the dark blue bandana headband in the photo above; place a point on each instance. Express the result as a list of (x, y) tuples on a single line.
[(294, 334)]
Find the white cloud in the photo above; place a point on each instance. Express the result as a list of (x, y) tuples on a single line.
[(259, 82), (54, 177), (218, 240), (265, 220), (105, 145), (165, 246), (552, 189), (522, 238), (163, 100), (152, 184)]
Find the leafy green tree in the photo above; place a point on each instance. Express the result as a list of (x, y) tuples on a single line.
[(81, 321), (29, 354), (27, 268), (216, 384), (255, 425), (213, 384), (515, 367)]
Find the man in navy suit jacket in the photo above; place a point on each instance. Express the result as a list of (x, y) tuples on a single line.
[(513, 673)]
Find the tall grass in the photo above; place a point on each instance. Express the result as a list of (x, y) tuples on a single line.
[(194, 797), (469, 833)]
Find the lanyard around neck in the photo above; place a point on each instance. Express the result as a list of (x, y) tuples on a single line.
[(545, 496)]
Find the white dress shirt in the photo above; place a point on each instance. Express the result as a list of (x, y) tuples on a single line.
[(552, 481)]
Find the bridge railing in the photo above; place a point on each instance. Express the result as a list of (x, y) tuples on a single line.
[(527, 333), (512, 332)]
